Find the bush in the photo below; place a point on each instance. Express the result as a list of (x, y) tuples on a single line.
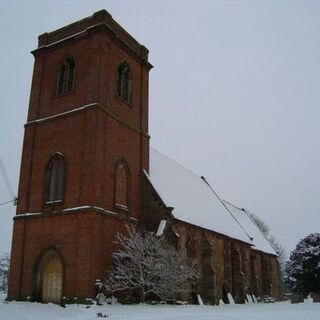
[(146, 267), (4, 272), (303, 267)]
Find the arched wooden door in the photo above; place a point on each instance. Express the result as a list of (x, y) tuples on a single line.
[(52, 276)]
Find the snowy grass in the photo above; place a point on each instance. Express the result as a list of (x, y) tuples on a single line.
[(274, 311)]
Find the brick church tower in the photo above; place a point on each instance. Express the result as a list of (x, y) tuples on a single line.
[(86, 143)]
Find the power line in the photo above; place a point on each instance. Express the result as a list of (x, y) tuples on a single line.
[(7, 180), (13, 200)]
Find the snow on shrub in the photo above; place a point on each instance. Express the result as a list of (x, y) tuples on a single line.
[(4, 271), (303, 267), (147, 266)]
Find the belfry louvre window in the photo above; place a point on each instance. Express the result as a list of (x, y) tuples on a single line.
[(54, 185), (124, 82), (66, 76)]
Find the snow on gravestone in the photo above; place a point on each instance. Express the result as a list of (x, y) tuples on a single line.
[(200, 300), (248, 298), (230, 298), (161, 228)]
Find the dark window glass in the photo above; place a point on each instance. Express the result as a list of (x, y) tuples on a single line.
[(61, 77), (70, 80), (55, 179), (121, 198)]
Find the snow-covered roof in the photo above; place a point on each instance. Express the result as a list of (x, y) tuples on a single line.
[(191, 198), (259, 240), (194, 202)]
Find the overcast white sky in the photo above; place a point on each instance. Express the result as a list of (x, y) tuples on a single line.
[(234, 96)]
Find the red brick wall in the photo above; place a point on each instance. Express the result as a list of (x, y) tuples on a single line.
[(92, 140), (84, 239), (233, 265), (227, 272)]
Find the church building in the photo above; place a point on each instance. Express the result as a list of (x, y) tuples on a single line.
[(87, 171)]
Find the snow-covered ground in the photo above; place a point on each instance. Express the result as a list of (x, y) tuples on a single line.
[(272, 311)]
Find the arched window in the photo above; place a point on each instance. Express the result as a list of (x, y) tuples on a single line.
[(121, 194), (55, 179), (66, 76), (190, 247), (124, 82)]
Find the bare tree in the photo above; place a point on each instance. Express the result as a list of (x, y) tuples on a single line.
[(282, 256), (264, 228), (4, 271), (148, 265)]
